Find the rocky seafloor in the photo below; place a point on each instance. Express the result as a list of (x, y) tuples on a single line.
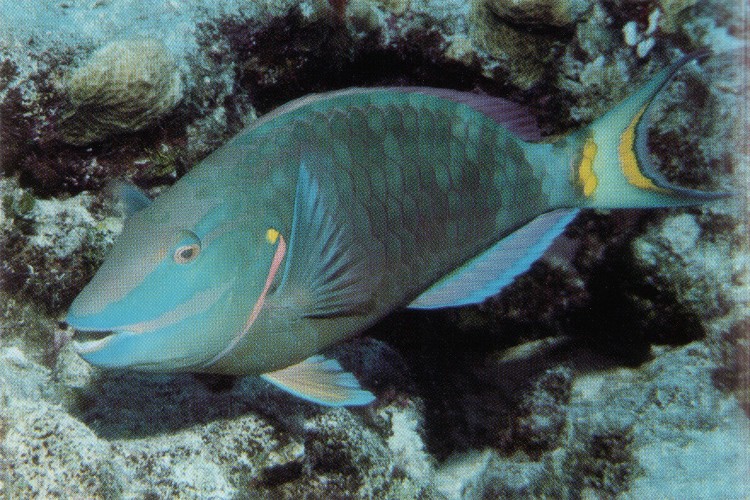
[(617, 367)]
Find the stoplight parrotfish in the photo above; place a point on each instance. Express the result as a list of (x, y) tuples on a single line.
[(325, 215)]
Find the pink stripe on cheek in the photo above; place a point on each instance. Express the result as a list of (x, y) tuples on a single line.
[(275, 264), (278, 257)]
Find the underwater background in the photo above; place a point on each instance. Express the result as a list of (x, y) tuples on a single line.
[(617, 367)]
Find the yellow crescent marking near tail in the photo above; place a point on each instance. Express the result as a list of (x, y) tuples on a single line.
[(628, 161), (586, 175)]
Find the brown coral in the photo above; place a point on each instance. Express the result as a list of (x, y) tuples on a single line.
[(540, 12), (523, 33), (123, 87)]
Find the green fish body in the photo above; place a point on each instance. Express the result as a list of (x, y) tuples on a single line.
[(409, 184), (334, 210)]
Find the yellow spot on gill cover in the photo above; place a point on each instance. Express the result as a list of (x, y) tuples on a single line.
[(628, 160), (272, 235), (586, 175)]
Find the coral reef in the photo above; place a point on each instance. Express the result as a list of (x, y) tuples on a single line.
[(51, 247), (536, 12), (526, 46), (616, 367), (123, 87), (72, 432), (733, 372)]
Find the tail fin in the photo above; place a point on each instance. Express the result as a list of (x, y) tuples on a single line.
[(613, 167)]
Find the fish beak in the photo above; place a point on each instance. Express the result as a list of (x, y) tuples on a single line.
[(147, 351), (90, 342), (114, 349), (84, 347), (95, 342), (142, 337), (106, 352)]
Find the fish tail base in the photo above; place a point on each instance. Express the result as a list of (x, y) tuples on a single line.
[(612, 168)]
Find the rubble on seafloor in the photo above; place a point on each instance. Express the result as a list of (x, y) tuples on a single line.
[(616, 367)]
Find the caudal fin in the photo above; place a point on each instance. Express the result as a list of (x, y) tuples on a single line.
[(613, 167)]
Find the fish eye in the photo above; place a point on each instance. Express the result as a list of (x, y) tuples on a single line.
[(188, 250), (186, 253)]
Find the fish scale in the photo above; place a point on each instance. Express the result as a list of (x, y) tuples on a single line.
[(423, 207)]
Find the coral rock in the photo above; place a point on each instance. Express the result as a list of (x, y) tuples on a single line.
[(522, 33), (675, 13), (123, 87), (545, 12)]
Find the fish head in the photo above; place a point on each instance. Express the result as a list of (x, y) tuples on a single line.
[(171, 293)]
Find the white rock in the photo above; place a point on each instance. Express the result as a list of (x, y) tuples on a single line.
[(644, 47), (407, 445), (462, 475), (653, 22), (15, 356), (682, 232), (630, 33)]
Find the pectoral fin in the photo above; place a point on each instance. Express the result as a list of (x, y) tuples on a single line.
[(132, 198), (326, 274), (321, 381)]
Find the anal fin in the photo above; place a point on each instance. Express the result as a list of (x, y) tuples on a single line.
[(486, 274), (322, 381)]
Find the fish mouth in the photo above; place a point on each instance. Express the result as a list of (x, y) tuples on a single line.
[(96, 347), (88, 341)]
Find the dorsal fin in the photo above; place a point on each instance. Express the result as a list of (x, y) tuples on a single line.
[(510, 115), (325, 274), (486, 274)]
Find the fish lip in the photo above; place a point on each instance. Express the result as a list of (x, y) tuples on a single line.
[(83, 347), (90, 346)]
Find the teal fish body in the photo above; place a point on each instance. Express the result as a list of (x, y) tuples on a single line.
[(334, 210)]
